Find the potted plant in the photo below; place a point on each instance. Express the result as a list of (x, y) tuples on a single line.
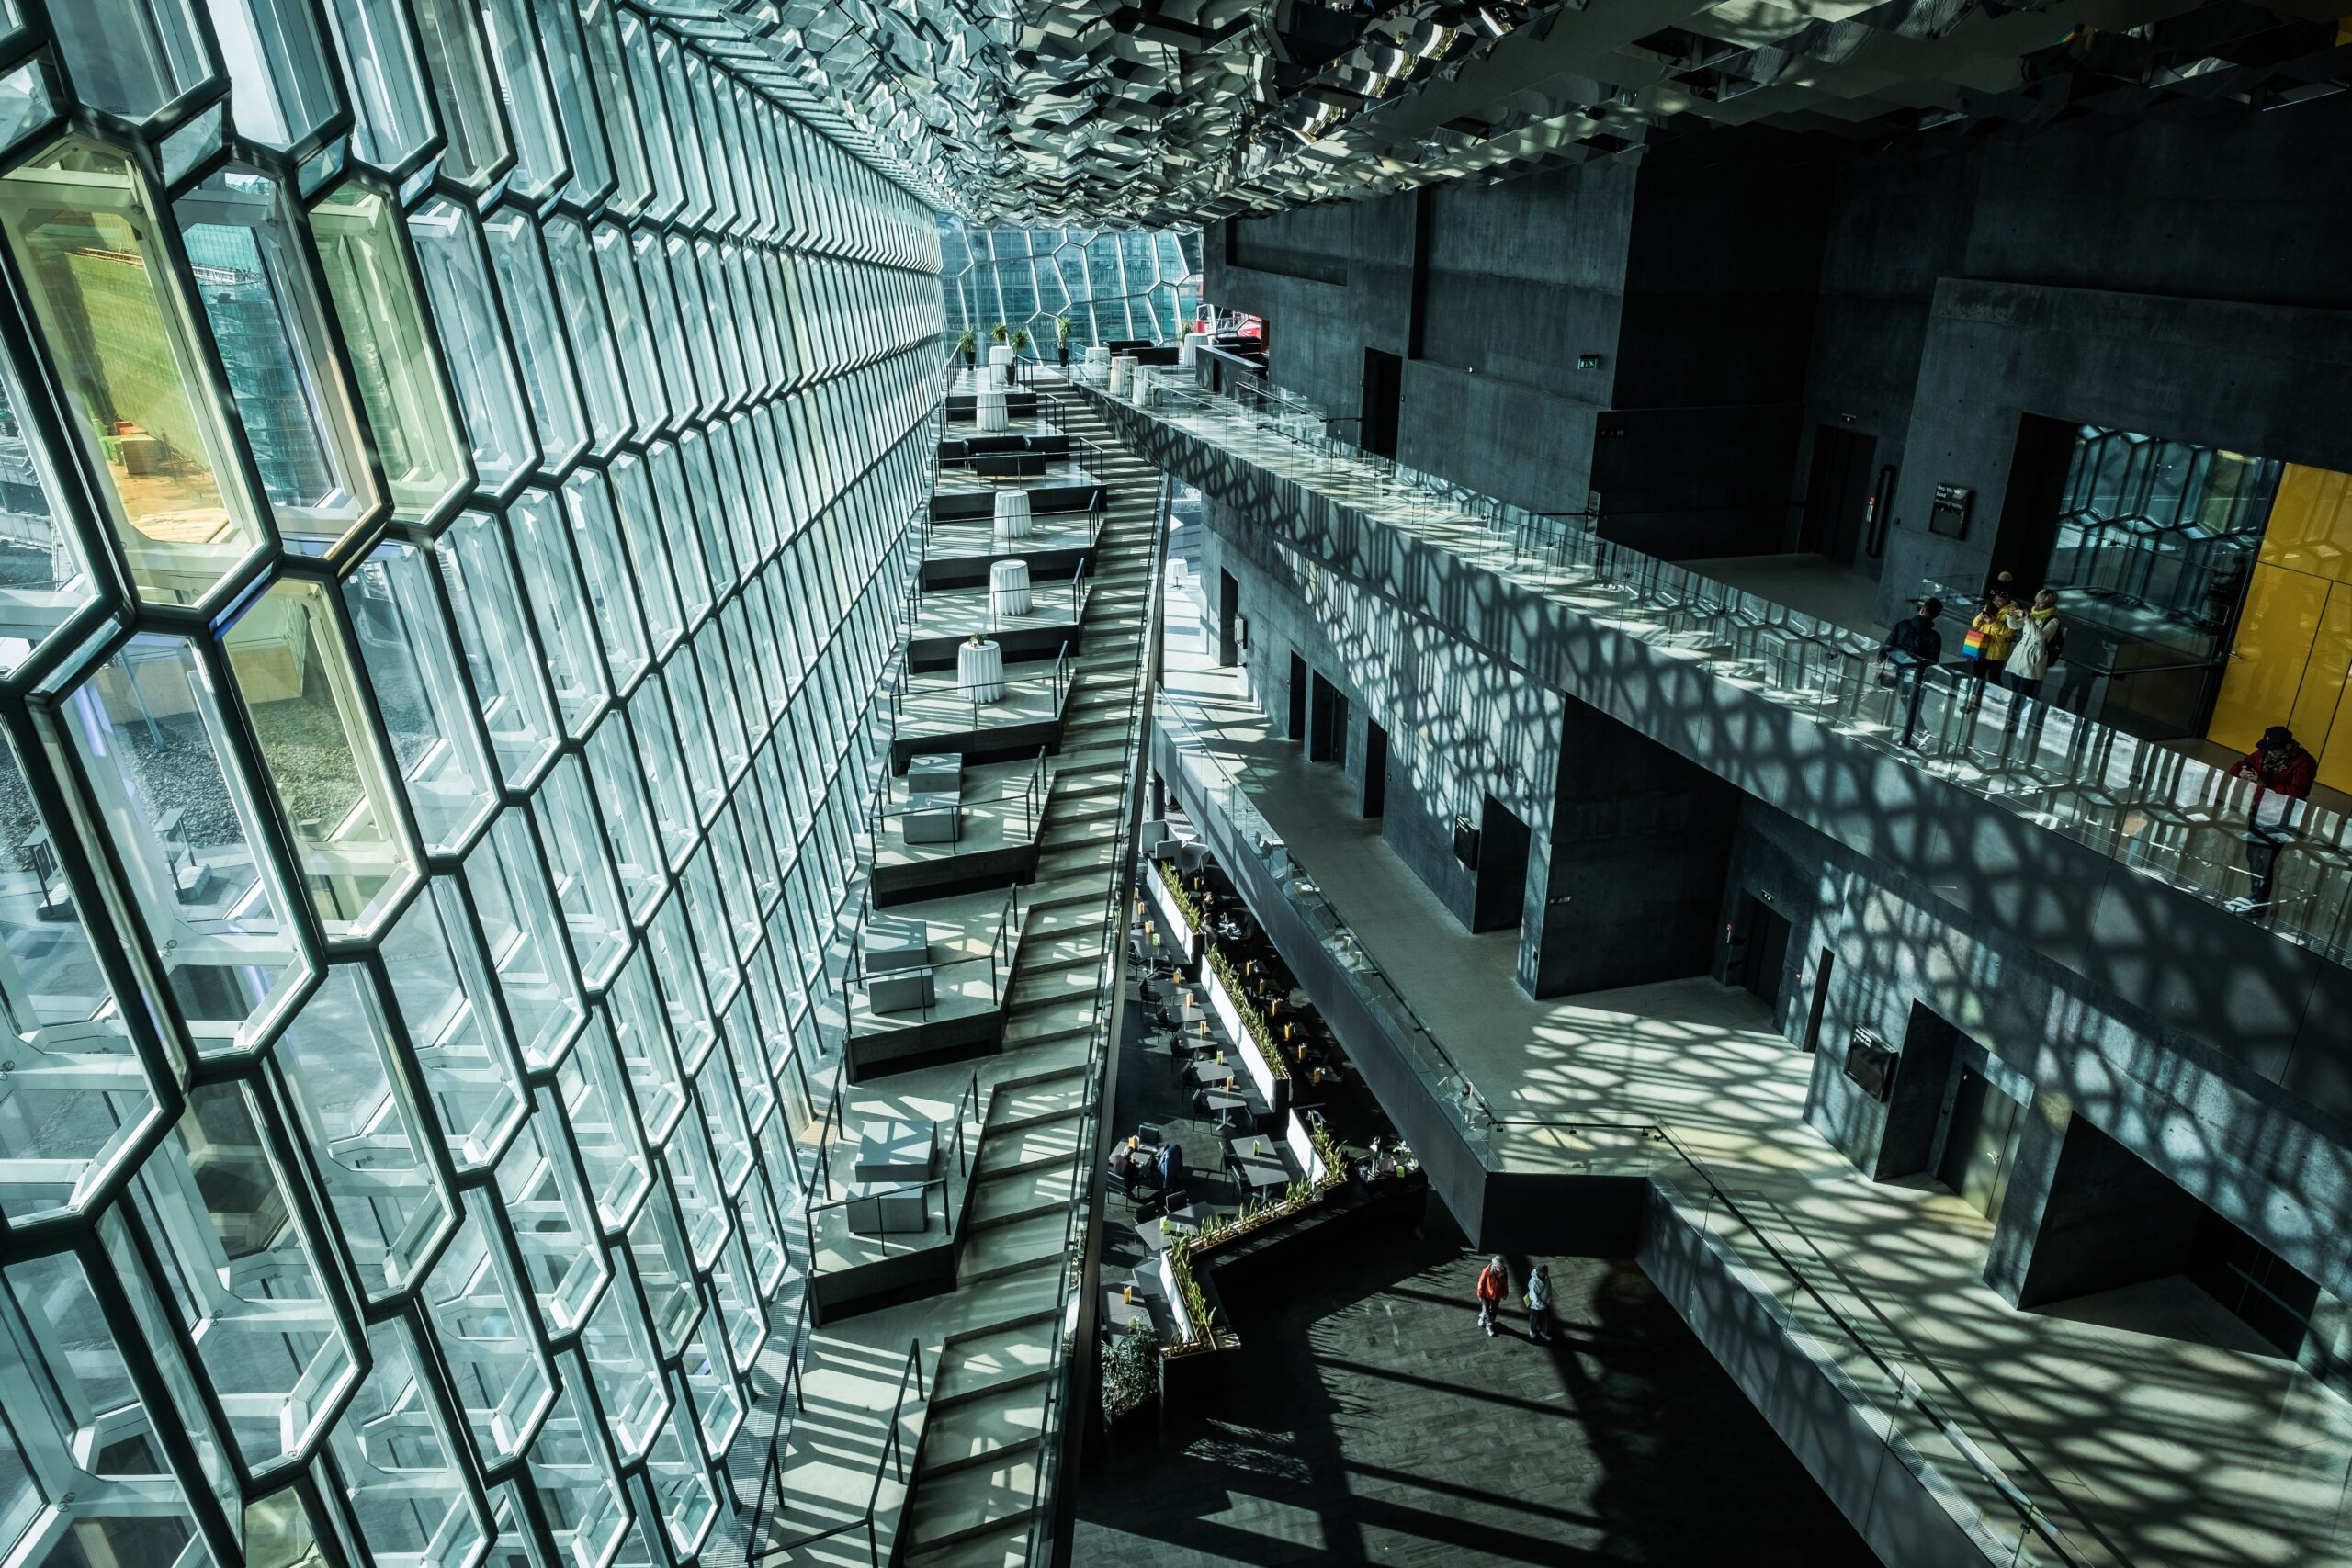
[(996, 333), (1131, 1380), (1019, 339), (1187, 346), (1062, 339), (967, 345)]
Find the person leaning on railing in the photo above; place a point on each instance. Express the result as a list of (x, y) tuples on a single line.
[(2283, 773), (1912, 648)]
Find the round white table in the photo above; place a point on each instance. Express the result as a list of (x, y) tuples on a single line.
[(1007, 588), (988, 409), (980, 672), (1011, 514), (1141, 382), (1001, 353), (1097, 360), (1123, 371)]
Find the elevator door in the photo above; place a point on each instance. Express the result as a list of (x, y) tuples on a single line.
[(1979, 1143)]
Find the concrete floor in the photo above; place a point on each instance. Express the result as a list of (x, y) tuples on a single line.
[(2188, 1446), (1372, 1422), (1814, 584)]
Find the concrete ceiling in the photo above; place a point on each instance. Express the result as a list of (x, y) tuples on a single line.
[(1168, 112)]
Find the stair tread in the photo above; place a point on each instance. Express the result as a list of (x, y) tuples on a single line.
[(964, 1502), (989, 1360), (1023, 1194)]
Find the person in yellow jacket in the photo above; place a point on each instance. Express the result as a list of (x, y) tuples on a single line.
[(1986, 647)]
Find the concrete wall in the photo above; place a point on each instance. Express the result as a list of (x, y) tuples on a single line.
[(1460, 728), (2176, 278)]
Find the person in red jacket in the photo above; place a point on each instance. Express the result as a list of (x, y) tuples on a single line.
[(2283, 773), (1494, 1283)]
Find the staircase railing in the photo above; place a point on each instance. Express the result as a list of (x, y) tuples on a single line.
[(892, 1449), (1058, 1434)]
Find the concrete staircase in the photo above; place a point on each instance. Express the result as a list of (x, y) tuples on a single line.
[(975, 1480)]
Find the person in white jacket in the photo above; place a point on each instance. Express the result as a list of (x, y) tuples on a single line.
[(2034, 646), (1539, 1304)]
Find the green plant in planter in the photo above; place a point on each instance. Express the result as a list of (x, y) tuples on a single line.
[(1327, 1149), (1019, 339), (1187, 905), (1061, 333), (968, 344), (997, 332), (1130, 1376), (1251, 1019)]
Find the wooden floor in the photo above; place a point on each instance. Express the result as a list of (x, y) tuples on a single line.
[(1374, 1423)]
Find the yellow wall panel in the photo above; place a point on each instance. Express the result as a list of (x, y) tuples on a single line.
[(2311, 523), (2276, 631), (2323, 674)]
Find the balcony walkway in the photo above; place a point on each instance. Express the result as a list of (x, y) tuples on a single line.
[(2185, 1446), (2145, 806)]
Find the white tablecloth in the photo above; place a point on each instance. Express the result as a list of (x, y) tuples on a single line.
[(1140, 381), (1123, 371), (1009, 588), (1011, 514), (1097, 353), (1001, 353), (988, 409), (980, 673)]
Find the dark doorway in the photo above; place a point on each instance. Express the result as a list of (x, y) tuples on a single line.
[(1296, 728), (1375, 769), (1763, 943), (1228, 611), (1326, 723), (2262, 1290), (1979, 1141), (1383, 392), (2028, 530), (1838, 497), (1502, 868)]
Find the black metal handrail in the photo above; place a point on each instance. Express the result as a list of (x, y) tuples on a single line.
[(892, 1450)]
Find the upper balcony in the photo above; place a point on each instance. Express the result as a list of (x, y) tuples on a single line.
[(2119, 858)]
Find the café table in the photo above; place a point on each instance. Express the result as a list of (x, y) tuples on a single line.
[(1260, 1173), (1227, 1105)]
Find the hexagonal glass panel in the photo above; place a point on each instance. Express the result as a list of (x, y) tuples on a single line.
[(509, 680), (267, 322), (456, 1030), (130, 57), (155, 749), (281, 79), (396, 1456), (458, 65), (421, 691), (291, 663), (85, 237), (388, 91), (360, 1112), (481, 1320), (465, 307), (242, 1268), (374, 292), (553, 1220)]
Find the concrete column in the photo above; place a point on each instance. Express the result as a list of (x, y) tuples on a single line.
[(1640, 841)]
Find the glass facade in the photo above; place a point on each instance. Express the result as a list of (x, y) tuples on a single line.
[(455, 470), (1113, 285)]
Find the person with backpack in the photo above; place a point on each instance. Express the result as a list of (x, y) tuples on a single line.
[(1494, 1279), (2036, 638), (1912, 648), (1539, 1304)]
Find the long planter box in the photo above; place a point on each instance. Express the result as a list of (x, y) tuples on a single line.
[(1173, 932), (1274, 1090)]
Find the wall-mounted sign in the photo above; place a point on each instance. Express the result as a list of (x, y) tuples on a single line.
[(1949, 514)]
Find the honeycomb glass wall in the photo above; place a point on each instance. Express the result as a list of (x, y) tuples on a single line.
[(455, 469)]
